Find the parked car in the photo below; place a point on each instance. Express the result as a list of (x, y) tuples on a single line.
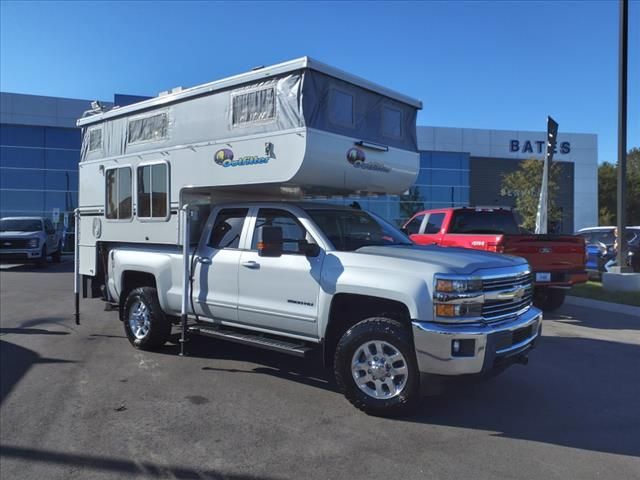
[(29, 239), (600, 247), (557, 261)]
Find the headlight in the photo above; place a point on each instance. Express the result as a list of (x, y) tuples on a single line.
[(457, 297), (33, 243)]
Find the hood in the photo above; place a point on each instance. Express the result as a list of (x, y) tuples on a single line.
[(19, 234), (445, 259)]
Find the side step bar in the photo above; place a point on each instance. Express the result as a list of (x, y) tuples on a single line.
[(291, 347)]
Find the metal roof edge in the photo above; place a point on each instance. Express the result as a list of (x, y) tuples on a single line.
[(253, 75)]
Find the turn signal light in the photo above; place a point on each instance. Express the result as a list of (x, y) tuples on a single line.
[(445, 310)]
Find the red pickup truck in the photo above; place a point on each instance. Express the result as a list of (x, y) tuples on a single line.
[(557, 261)]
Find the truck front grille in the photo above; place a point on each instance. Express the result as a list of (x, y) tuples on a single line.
[(13, 243), (493, 309)]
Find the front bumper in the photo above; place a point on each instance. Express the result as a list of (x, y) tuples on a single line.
[(23, 255), (493, 346)]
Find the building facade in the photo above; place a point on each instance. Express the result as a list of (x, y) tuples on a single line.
[(40, 151)]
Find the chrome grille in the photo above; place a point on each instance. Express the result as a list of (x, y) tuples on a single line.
[(14, 243), (498, 309)]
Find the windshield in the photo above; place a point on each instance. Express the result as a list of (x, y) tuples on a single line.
[(349, 230), (20, 225), (484, 221)]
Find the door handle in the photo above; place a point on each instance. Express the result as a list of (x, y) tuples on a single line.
[(204, 260), (251, 264)]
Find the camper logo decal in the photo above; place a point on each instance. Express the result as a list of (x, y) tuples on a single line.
[(356, 157), (224, 158)]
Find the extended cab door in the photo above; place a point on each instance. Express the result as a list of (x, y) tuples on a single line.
[(280, 293), (430, 233), (215, 284)]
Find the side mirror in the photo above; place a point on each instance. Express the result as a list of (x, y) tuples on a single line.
[(270, 241), (404, 230), (309, 249)]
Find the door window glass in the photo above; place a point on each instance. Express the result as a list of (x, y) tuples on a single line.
[(413, 227), (292, 232), (152, 191), (118, 193), (434, 223), (227, 228)]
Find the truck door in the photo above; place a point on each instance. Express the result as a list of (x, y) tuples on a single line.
[(215, 285), (430, 232), (280, 293), (50, 232)]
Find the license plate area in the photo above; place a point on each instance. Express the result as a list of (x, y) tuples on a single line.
[(543, 276)]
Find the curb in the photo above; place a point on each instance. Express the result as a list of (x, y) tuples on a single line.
[(600, 305)]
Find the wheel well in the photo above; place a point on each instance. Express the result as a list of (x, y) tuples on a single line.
[(348, 309), (131, 280)]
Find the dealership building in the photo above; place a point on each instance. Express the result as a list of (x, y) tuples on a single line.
[(40, 151)]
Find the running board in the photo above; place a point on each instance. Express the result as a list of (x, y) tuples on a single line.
[(299, 349)]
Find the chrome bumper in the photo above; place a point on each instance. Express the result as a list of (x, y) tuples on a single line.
[(493, 344)]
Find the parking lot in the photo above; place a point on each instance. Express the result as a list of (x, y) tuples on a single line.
[(80, 402)]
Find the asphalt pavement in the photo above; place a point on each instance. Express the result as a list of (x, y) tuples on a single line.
[(78, 402)]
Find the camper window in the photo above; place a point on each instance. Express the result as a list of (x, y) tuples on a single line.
[(95, 139), (152, 191), (341, 108), (255, 106), (147, 129), (118, 193), (391, 122)]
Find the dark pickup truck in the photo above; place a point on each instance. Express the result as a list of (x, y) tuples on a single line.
[(557, 261)]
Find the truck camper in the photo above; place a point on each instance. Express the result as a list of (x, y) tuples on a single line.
[(192, 213)]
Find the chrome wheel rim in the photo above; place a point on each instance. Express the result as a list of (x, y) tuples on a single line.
[(379, 369), (139, 320)]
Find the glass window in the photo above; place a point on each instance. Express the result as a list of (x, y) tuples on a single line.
[(21, 136), (445, 160), (227, 228), (118, 193), (292, 232), (445, 177), (253, 106), (95, 139), (56, 137), (20, 225), (19, 179), (424, 177), (148, 129), (61, 180), (341, 107), (425, 160), (434, 223), (391, 122), (413, 227), (21, 157), (153, 198), (62, 159), (483, 221), (22, 201)]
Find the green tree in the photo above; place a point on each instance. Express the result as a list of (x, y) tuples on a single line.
[(608, 190), (524, 184), (410, 203)]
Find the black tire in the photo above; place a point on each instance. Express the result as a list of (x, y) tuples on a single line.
[(389, 331), (159, 328), (57, 255), (549, 299), (42, 261)]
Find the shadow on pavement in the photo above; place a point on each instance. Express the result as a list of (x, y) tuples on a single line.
[(30, 331), (66, 266), (118, 466), (576, 392), (15, 362), (583, 317)]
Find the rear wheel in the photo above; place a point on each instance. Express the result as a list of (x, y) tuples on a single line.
[(549, 299), (375, 367), (145, 324)]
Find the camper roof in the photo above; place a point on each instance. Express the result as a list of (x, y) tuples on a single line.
[(252, 76)]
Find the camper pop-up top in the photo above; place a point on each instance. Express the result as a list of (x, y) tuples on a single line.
[(250, 263)]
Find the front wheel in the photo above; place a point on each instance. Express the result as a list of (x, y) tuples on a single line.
[(57, 255), (145, 324), (548, 299), (375, 367), (42, 261)]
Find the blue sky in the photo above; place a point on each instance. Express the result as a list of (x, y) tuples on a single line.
[(502, 65)]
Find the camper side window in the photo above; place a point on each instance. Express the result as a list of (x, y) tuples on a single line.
[(255, 106), (153, 191), (118, 193), (95, 139), (147, 129), (341, 108), (391, 122)]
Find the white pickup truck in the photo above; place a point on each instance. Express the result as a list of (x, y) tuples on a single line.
[(29, 239), (298, 277)]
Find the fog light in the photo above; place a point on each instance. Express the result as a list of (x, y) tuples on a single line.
[(463, 348), (455, 346)]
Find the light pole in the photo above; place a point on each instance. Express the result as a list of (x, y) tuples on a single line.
[(622, 135)]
